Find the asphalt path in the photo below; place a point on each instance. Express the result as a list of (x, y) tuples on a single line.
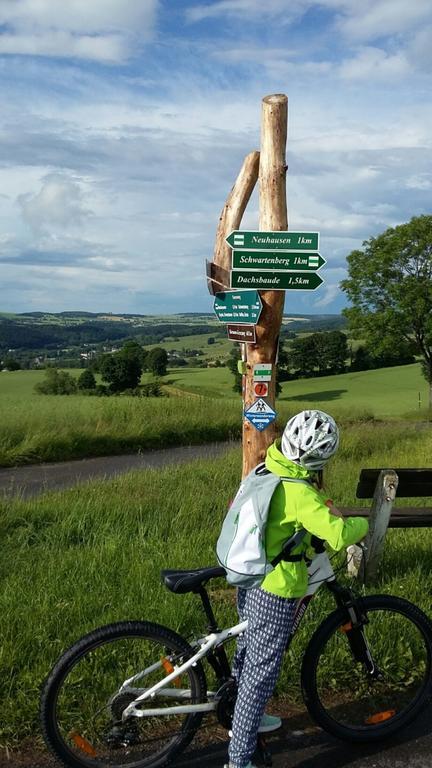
[(33, 479), (292, 747)]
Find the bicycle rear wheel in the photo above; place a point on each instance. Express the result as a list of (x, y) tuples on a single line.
[(82, 704), (356, 705)]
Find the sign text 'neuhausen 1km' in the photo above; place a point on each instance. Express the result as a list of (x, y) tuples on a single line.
[(271, 241)]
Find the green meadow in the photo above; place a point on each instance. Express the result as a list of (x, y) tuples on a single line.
[(385, 392), (35, 428), (93, 554)]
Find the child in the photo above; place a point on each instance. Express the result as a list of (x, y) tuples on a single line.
[(308, 441)]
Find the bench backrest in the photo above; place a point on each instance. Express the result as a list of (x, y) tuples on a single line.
[(412, 482)]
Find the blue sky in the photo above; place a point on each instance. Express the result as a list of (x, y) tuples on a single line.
[(124, 124)]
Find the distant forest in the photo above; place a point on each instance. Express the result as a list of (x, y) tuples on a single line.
[(40, 330), (26, 336)]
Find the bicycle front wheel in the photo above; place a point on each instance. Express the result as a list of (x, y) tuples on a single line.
[(91, 685), (359, 699)]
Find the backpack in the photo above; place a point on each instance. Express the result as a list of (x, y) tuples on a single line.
[(240, 547)]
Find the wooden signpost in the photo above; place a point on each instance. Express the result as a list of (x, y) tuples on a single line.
[(269, 260)]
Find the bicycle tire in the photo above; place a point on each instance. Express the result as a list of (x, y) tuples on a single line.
[(341, 698), (73, 709)]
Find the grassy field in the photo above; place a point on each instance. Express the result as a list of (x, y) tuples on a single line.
[(93, 555), (37, 428), (386, 392)]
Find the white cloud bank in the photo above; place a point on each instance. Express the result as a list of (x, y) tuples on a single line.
[(101, 30)]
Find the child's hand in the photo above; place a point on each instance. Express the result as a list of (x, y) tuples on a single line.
[(332, 509)]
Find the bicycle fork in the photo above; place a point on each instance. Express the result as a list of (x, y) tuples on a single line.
[(354, 629)]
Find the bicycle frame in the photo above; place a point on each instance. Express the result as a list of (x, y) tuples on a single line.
[(320, 571)]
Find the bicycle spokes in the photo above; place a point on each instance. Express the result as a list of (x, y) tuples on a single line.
[(94, 696), (368, 675)]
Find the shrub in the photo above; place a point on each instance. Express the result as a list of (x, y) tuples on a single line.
[(87, 380), (57, 383)]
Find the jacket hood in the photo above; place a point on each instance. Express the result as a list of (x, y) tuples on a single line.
[(277, 463)]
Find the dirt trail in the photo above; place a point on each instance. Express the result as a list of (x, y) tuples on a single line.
[(36, 478)]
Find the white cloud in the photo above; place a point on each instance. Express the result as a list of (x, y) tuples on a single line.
[(373, 19), (58, 204), (115, 178), (374, 63), (102, 30), (248, 8), (328, 293), (419, 51)]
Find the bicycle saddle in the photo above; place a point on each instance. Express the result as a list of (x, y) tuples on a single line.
[(190, 581)]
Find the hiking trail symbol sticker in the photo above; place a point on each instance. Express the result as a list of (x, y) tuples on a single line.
[(261, 388), (260, 414)]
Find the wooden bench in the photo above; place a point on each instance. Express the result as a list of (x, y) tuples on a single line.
[(383, 486)]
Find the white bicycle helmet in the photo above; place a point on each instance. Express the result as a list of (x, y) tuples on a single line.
[(310, 439)]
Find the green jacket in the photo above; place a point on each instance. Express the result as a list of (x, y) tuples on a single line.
[(294, 506)]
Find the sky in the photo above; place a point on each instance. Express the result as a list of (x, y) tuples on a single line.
[(124, 124)]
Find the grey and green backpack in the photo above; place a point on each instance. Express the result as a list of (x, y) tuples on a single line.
[(240, 547)]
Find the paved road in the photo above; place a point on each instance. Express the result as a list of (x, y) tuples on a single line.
[(296, 748), (36, 478)]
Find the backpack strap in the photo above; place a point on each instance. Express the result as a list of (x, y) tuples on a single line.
[(297, 537), (291, 544)]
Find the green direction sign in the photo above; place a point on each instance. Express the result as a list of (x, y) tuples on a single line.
[(242, 307), (277, 260), (272, 241), (275, 281)]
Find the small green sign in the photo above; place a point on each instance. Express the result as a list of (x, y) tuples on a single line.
[(272, 241), (275, 281), (238, 307), (277, 260)]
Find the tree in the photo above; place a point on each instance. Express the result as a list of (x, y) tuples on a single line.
[(337, 350), (120, 371), (157, 360), (133, 351), (232, 365), (86, 380), (390, 290), (362, 360), (10, 364), (303, 355), (56, 383)]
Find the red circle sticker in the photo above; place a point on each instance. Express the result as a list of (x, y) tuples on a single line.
[(261, 389)]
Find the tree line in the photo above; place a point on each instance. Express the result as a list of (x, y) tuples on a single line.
[(22, 335), (325, 354), (121, 372)]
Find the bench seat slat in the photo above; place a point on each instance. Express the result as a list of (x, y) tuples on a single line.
[(401, 517), (412, 483)]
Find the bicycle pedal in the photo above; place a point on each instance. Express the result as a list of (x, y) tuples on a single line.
[(264, 752)]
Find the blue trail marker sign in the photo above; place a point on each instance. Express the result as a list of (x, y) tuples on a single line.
[(260, 414), (243, 307)]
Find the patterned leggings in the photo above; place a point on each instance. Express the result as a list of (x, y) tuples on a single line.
[(257, 664)]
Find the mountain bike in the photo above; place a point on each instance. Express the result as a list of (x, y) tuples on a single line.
[(134, 693)]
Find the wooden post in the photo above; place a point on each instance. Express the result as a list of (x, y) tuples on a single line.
[(385, 494), (231, 216), (273, 217)]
